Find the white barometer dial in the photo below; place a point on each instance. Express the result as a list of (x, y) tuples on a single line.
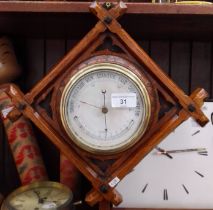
[(105, 108)]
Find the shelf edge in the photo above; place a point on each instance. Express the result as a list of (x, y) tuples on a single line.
[(82, 7)]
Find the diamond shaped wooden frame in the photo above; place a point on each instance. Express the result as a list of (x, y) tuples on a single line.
[(186, 106)]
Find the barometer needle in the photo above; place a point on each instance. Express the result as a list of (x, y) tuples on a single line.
[(105, 126), (83, 102), (104, 92), (105, 110)]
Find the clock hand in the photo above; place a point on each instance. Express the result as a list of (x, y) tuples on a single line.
[(162, 151), (83, 102), (202, 150), (40, 200)]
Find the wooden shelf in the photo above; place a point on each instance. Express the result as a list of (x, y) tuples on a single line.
[(82, 7), (61, 19)]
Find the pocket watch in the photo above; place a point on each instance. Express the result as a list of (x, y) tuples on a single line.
[(105, 106), (41, 195), (177, 174)]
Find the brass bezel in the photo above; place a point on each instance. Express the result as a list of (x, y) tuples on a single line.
[(100, 67), (6, 204)]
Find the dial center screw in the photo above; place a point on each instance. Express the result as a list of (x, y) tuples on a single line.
[(104, 110)]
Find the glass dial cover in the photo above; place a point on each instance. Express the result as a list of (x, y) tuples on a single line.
[(105, 108)]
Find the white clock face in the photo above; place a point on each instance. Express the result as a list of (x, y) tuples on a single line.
[(181, 178), (105, 109)]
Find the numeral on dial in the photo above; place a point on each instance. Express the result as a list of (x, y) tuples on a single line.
[(165, 195), (144, 189), (196, 132), (184, 187), (198, 173)]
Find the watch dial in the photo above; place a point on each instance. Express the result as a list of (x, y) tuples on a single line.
[(39, 196), (39, 199), (176, 174), (105, 109)]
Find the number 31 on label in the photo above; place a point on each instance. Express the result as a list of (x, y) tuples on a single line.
[(123, 100)]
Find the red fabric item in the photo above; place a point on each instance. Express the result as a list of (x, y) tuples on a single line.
[(69, 174), (23, 144)]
